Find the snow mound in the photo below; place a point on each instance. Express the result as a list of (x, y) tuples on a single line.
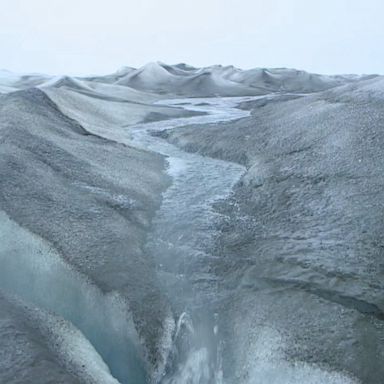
[(67, 82), (218, 80), (181, 79)]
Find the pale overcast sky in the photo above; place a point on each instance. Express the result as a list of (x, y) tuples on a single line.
[(99, 36)]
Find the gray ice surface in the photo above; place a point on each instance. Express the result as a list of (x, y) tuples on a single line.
[(300, 254), (91, 201)]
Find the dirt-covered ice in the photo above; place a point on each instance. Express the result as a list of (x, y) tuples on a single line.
[(300, 250)]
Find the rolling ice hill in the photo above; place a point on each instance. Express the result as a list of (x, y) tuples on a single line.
[(182, 80), (217, 80)]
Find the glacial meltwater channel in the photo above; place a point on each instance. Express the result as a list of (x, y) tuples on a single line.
[(183, 234)]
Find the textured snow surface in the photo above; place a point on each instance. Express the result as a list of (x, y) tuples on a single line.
[(91, 200)]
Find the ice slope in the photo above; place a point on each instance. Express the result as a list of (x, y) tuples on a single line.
[(106, 110), (301, 249), (39, 347), (106, 116), (60, 183), (98, 90)]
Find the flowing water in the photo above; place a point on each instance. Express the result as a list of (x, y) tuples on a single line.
[(184, 232)]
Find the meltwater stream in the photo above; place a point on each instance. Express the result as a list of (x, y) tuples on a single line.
[(184, 229)]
